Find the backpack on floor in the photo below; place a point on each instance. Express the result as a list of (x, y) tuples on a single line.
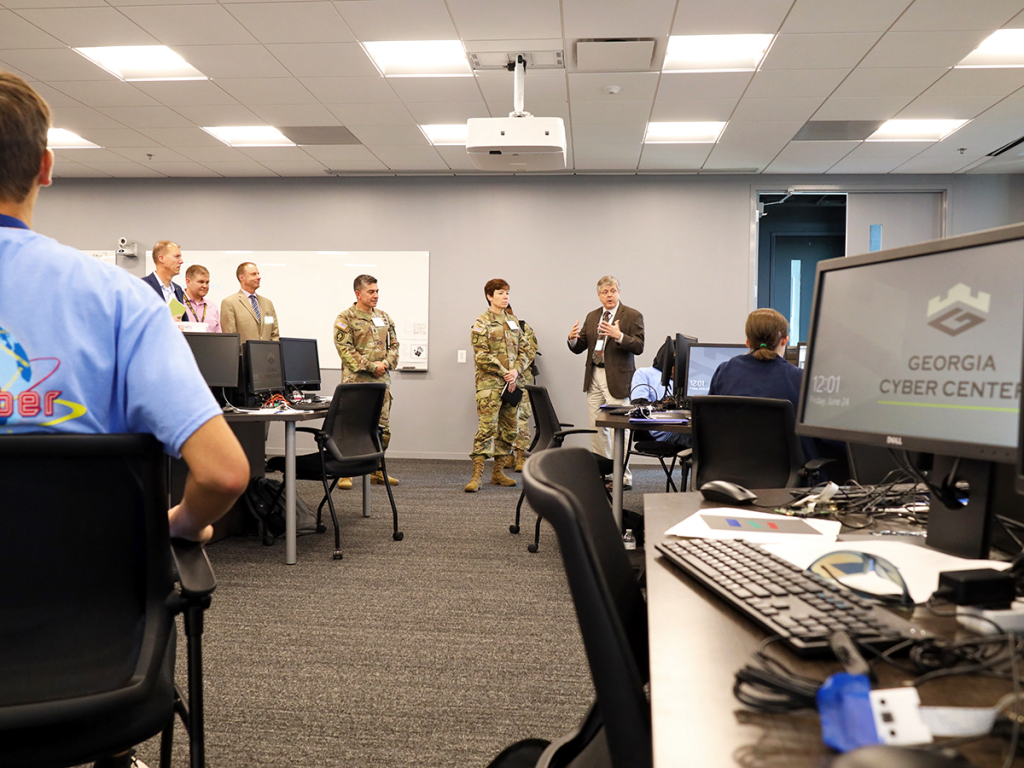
[(264, 500)]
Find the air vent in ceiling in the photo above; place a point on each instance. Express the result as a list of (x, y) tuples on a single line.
[(837, 130), (323, 135), (1007, 147)]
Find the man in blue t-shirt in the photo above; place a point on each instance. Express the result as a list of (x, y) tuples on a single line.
[(85, 347)]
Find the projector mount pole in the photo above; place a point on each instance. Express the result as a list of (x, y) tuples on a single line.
[(519, 86)]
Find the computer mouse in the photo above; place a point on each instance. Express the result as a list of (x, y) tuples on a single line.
[(724, 492), (882, 756)]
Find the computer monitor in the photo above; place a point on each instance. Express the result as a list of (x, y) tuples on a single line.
[(702, 362), (300, 363), (919, 348), (216, 355), (263, 367), (801, 354), (682, 354)]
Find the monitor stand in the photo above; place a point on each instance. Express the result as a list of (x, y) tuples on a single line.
[(966, 530)]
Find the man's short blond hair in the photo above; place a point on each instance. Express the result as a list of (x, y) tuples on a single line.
[(606, 280), (196, 270), (241, 269), (161, 248)]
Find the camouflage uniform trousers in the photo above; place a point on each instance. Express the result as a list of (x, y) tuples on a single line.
[(522, 442), (497, 430)]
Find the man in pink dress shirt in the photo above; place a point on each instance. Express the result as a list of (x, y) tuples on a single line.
[(197, 285)]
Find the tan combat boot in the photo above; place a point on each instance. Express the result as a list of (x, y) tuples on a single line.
[(478, 472), (377, 478), (498, 477), (345, 483), (520, 460)]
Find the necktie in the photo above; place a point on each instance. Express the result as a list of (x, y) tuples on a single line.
[(256, 307), (598, 357)]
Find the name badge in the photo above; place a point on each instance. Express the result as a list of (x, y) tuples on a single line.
[(513, 325), (599, 344), (379, 322)]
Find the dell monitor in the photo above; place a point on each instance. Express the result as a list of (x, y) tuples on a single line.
[(702, 362), (682, 354), (301, 363), (919, 349), (216, 355), (801, 355), (263, 367)]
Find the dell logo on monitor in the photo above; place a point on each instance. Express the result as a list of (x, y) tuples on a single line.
[(893, 440)]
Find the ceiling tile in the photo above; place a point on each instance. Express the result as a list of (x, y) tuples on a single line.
[(409, 158), (375, 136), (88, 156), (65, 169), (218, 154), (249, 168), (292, 22), (216, 114), (189, 24), (159, 154), (182, 137), (447, 112), (184, 169), (906, 82), (539, 85), (729, 17), (674, 156), (266, 90), (217, 61), (794, 83), (843, 15), (18, 4), (924, 164), (127, 170), (750, 145), (295, 114), (15, 32), (819, 51), (186, 93), (613, 112), (1004, 164), (698, 110), (585, 19), (149, 2), (839, 108), (933, 106), (606, 157), (80, 119), (397, 20), (55, 64), (324, 59), (524, 19), (774, 110), (348, 158), (291, 158), (996, 83), (878, 157), (712, 85), (118, 137), (80, 27), (810, 156), (105, 94), (147, 117), (350, 90), (923, 49), (634, 86), (56, 99), (456, 158), (372, 114), (955, 15), (607, 133), (433, 89)]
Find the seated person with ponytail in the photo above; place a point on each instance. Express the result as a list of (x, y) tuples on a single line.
[(763, 372)]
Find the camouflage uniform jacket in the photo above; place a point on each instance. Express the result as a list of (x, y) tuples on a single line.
[(361, 344), (531, 352), (499, 345)]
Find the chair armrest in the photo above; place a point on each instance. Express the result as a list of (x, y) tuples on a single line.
[(686, 455), (815, 464), (193, 566), (565, 424), (564, 432), (311, 430)]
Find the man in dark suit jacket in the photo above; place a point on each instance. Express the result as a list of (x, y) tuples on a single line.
[(611, 336), (167, 263)]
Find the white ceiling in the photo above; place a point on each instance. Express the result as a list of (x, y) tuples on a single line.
[(299, 63)]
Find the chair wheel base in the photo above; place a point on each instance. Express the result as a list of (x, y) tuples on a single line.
[(337, 554), (513, 529), (321, 528), (398, 536), (532, 548)]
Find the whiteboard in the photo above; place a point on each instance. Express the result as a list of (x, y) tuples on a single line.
[(310, 288)]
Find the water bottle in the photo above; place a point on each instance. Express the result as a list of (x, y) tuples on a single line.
[(629, 540)]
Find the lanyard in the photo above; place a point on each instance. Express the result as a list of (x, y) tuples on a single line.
[(195, 311)]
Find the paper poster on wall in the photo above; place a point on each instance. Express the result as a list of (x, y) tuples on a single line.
[(107, 257), (310, 288)]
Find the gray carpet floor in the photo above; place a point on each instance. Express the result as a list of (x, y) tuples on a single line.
[(439, 650)]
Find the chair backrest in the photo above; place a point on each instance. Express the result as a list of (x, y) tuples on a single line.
[(352, 420), (746, 440), (544, 417), (871, 464), (564, 487), (85, 560)]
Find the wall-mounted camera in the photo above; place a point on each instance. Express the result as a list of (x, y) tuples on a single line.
[(124, 248)]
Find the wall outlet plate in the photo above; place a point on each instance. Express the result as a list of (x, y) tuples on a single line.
[(462, 356)]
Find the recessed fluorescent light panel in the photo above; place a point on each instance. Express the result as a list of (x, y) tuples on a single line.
[(58, 138), (1003, 48), (135, 63), (249, 135), (715, 53), (446, 135), (683, 133), (916, 130), (420, 58)]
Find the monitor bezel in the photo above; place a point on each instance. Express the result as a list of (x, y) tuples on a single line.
[(304, 384), (686, 392), (897, 441), (679, 373), (234, 356), (249, 346)]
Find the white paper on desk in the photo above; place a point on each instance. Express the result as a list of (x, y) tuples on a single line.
[(695, 527), (919, 566)]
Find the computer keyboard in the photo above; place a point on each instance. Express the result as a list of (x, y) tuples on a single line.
[(802, 607)]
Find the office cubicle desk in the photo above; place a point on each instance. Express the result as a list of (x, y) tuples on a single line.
[(697, 643)]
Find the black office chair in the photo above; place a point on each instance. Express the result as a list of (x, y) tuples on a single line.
[(347, 446), (87, 630), (564, 487), (749, 441), (548, 434), (642, 443)]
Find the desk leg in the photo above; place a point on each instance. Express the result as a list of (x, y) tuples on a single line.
[(618, 456), (289, 494), (366, 495)]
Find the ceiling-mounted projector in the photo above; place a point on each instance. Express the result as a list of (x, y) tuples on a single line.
[(519, 142)]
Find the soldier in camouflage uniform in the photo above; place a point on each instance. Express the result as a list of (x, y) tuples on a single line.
[(522, 442), (368, 346), (499, 353)]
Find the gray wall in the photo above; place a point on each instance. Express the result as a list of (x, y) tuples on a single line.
[(680, 245)]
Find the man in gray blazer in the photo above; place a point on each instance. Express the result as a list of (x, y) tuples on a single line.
[(245, 313), (611, 336)]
